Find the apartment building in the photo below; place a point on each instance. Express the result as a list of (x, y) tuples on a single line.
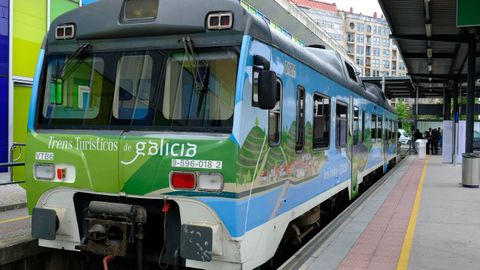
[(366, 38)]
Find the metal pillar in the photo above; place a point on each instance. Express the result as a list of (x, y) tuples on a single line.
[(456, 113), (456, 117), (447, 100), (416, 109), (472, 51)]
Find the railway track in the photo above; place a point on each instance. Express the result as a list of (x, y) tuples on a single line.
[(305, 252)]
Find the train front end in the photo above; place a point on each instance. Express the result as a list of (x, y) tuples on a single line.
[(130, 145)]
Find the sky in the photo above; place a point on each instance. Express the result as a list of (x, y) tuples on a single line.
[(366, 7)]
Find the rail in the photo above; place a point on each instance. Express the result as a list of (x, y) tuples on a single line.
[(14, 163)]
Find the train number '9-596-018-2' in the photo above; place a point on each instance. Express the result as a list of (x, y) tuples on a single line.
[(208, 141)]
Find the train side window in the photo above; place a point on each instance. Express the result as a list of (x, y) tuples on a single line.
[(256, 72), (321, 121), (380, 128), (356, 127), (373, 134), (363, 126), (391, 130), (387, 129), (275, 118), (300, 141), (341, 123)]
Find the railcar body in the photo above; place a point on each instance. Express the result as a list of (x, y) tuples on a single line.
[(170, 141)]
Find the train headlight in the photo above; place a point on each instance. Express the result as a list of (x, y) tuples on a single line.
[(210, 182), (183, 180), (140, 9), (44, 171)]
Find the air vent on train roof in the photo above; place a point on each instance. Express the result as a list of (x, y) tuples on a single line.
[(318, 46)]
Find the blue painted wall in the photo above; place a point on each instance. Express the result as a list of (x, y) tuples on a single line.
[(4, 40)]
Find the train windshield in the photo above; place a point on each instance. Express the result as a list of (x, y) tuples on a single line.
[(150, 89)]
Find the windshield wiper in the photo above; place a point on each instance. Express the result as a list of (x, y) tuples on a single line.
[(78, 54), (201, 74), (56, 83)]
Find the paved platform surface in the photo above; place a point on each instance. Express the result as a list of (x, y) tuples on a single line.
[(14, 219), (400, 228), (11, 196)]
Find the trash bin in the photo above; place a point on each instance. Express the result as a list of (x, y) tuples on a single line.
[(421, 146), (471, 170)]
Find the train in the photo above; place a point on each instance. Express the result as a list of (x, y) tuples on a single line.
[(186, 133)]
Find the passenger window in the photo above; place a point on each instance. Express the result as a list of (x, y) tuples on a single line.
[(321, 121), (275, 119), (373, 126), (391, 131), (380, 128), (363, 126), (356, 128), (300, 119), (341, 124), (387, 129)]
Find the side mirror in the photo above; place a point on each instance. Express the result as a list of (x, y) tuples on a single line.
[(259, 60), (267, 90)]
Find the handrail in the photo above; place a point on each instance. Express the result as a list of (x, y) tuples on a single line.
[(12, 148), (13, 162)]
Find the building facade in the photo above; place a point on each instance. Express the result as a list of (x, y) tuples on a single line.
[(366, 38), (327, 16), (23, 25)]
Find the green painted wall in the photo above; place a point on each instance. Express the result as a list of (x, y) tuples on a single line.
[(58, 7), (29, 27), (20, 117)]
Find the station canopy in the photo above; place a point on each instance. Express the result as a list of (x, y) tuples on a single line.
[(434, 49)]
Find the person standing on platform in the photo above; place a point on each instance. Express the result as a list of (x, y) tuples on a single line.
[(428, 136), (440, 142), (417, 135), (435, 140)]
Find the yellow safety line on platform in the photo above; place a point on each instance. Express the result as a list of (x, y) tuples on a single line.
[(13, 219), (412, 224)]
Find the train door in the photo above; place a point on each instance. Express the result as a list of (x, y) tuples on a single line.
[(383, 138), (354, 133)]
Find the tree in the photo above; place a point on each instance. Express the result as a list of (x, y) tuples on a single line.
[(404, 112)]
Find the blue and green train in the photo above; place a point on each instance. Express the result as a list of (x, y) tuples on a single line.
[(188, 133)]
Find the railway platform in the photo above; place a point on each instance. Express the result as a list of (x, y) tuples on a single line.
[(420, 217)]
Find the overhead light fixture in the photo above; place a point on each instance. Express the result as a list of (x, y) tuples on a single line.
[(428, 29), (430, 79), (429, 68), (429, 52)]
